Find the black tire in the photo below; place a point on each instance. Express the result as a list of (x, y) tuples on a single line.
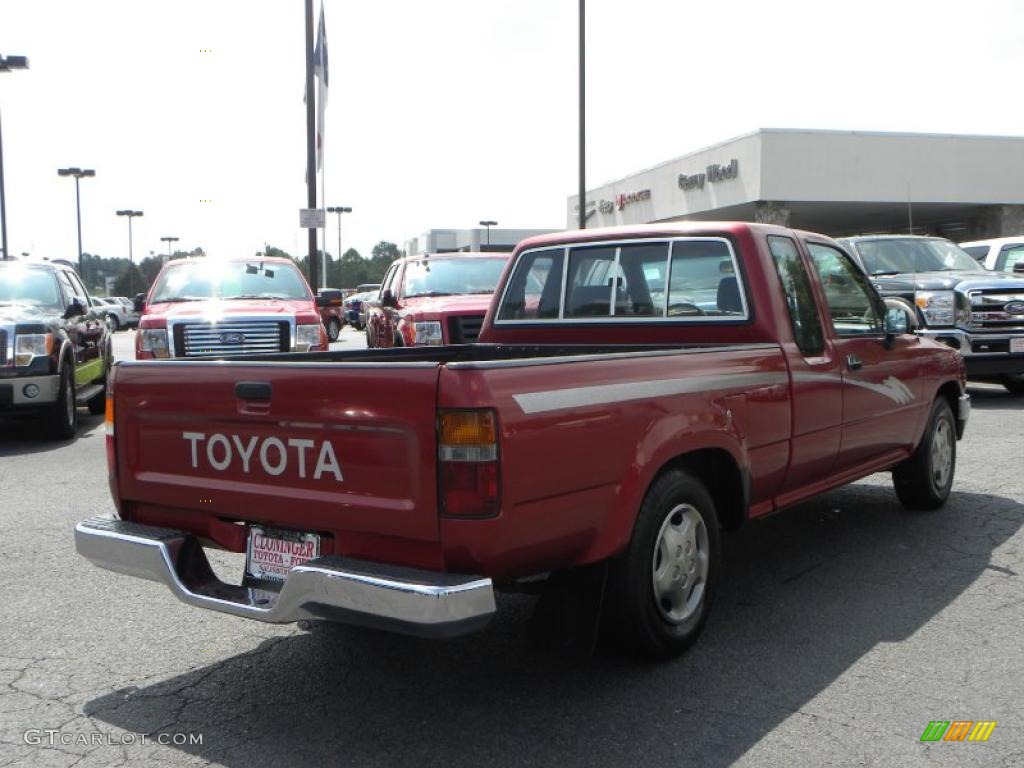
[(62, 416), (1014, 383), (638, 612), (115, 324), (333, 329), (923, 481)]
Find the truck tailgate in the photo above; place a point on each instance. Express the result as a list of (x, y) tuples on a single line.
[(314, 447)]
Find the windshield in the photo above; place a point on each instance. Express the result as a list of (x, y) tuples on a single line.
[(450, 277), (897, 256), (256, 279), (30, 287)]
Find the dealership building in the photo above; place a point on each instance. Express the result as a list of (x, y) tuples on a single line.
[(834, 182), (476, 239)]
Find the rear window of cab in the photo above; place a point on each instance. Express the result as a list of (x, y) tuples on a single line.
[(684, 279)]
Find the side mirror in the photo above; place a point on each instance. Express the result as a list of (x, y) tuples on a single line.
[(139, 302), (387, 299), (1018, 268), (75, 309), (900, 317)]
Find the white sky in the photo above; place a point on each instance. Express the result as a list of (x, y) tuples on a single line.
[(443, 113)]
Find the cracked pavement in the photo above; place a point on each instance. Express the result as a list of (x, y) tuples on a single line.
[(841, 629)]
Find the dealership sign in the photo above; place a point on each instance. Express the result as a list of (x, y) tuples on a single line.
[(621, 201), (713, 173)]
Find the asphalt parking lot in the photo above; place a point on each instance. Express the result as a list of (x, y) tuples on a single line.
[(842, 628)]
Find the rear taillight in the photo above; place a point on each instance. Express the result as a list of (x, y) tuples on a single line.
[(108, 428), (467, 455)]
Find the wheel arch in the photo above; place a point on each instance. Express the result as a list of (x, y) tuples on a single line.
[(721, 474), (950, 391)]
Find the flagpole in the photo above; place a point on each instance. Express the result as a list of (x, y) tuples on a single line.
[(323, 201), (310, 145)]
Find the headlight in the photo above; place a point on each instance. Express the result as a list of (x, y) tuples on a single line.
[(428, 332), (307, 337), (31, 345), (936, 306), (155, 340)]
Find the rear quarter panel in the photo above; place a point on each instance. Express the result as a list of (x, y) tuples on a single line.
[(581, 441)]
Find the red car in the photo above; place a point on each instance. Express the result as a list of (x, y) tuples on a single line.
[(210, 306), (430, 300), (636, 392)]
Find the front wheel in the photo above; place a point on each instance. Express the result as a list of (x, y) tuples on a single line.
[(923, 481), (62, 416), (660, 590), (114, 323), (1014, 383)]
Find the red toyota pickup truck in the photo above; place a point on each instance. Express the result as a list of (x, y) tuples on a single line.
[(634, 392)]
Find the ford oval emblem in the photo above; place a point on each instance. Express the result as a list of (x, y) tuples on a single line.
[(1014, 308), (232, 339)]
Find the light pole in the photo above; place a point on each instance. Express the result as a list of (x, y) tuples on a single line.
[(168, 239), (488, 224), (78, 173), (7, 63), (338, 210), (583, 115), (131, 264)]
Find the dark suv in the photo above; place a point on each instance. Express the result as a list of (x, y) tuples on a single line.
[(55, 348)]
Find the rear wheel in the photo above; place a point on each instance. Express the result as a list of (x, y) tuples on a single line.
[(333, 329), (62, 416), (660, 590), (1014, 383), (925, 479), (113, 322)]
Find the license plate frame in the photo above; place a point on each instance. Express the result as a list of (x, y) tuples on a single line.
[(270, 553), (1017, 345)]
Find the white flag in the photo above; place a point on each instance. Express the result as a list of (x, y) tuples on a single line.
[(320, 72)]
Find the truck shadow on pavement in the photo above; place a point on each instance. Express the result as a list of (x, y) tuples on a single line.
[(806, 594), (994, 398), (23, 436)]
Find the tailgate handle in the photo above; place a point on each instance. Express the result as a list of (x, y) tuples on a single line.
[(253, 390)]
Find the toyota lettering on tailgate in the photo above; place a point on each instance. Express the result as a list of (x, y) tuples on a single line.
[(271, 454)]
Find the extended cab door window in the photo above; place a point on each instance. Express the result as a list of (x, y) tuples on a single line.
[(796, 286), (703, 281), (852, 302)]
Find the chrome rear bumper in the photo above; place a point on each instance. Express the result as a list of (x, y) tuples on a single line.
[(407, 600)]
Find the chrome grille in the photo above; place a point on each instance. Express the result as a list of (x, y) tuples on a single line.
[(988, 309), (236, 338)]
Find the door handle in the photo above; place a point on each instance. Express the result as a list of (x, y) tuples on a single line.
[(854, 362), (253, 390)]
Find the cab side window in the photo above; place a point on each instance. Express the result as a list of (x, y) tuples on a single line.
[(1010, 256), (796, 286), (66, 287), (852, 302)]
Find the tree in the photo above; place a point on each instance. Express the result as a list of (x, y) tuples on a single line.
[(386, 251), (129, 286)]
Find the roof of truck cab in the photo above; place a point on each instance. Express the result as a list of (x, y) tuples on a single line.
[(639, 231)]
